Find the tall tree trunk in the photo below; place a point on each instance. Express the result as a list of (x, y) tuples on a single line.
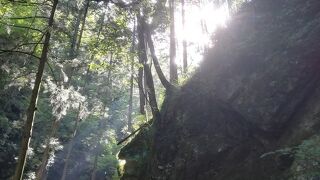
[(41, 172), (98, 148), (147, 71), (75, 49), (162, 77), (74, 38), (142, 101), (70, 147), (151, 92), (27, 131), (75, 129), (184, 41), (146, 97), (109, 80), (173, 65), (140, 70), (130, 128), (102, 125), (82, 25), (94, 170)]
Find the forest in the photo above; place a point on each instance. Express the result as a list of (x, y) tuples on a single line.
[(159, 89)]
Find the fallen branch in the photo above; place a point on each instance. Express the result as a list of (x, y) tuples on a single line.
[(134, 132)]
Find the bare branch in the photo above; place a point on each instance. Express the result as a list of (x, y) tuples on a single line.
[(29, 17), (34, 48), (20, 52), (23, 27), (134, 132), (17, 46)]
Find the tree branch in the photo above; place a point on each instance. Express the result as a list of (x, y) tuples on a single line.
[(134, 132), (23, 27), (29, 17), (164, 81), (16, 51)]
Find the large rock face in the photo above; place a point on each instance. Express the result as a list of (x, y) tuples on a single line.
[(247, 111)]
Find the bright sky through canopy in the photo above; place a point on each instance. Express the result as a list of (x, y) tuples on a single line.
[(201, 20)]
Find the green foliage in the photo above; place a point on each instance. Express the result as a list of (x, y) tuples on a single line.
[(306, 164), (307, 159), (98, 78)]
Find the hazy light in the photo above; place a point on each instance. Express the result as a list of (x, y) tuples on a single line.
[(122, 162), (200, 23)]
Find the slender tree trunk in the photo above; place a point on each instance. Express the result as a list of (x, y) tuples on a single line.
[(70, 147), (98, 147), (141, 92), (130, 128), (27, 131), (82, 25), (73, 43), (102, 125), (94, 170), (109, 80), (184, 41), (173, 65), (147, 71), (151, 92), (146, 96), (75, 129), (41, 172), (157, 66), (140, 70)]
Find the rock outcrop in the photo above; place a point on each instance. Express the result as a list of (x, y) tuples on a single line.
[(251, 108)]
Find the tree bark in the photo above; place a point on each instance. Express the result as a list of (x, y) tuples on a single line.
[(151, 92), (67, 159), (173, 65), (101, 127), (163, 79), (75, 129), (147, 71), (146, 96), (82, 25), (130, 128), (74, 38), (142, 59), (142, 101), (41, 172), (94, 170), (27, 131)]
